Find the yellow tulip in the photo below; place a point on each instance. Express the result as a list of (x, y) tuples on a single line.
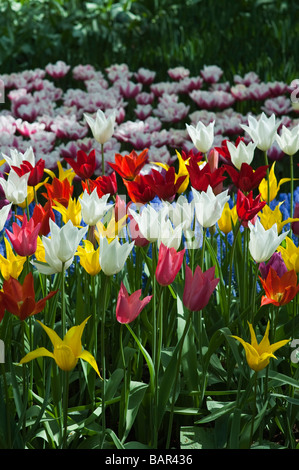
[(66, 352), (89, 258), (258, 355), (71, 212), (182, 172), (290, 254), (228, 218), (112, 229), (269, 217), (274, 187), (62, 173), (40, 250), (12, 265)]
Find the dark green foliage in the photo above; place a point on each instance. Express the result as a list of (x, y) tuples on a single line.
[(240, 36)]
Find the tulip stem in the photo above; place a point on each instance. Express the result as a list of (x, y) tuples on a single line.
[(103, 160), (203, 248), (63, 320), (254, 292), (231, 269), (65, 406), (292, 191), (268, 177), (103, 359), (254, 409)]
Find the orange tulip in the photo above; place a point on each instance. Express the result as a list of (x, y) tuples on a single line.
[(279, 290)]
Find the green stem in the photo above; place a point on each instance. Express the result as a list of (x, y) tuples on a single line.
[(254, 409), (292, 189), (232, 251), (63, 314), (103, 358), (186, 328), (254, 292), (65, 407), (204, 234), (103, 160), (268, 177)]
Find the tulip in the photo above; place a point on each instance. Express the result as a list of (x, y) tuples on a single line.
[(129, 166), (113, 255), (169, 264), (24, 238), (198, 287), (169, 236), (60, 248), (201, 176), (208, 207), (262, 131), (35, 172), (279, 290), (228, 218), (94, 207), (269, 217), (241, 154), (295, 225), (72, 212), (12, 265), (42, 215), (246, 179), (89, 258), (85, 165), (19, 299), (103, 184), (150, 221), (202, 136), (248, 208), (139, 190), (128, 307), (273, 186), (290, 254), (15, 187), (4, 213), (258, 355), (110, 230), (59, 190), (181, 212), (66, 352), (166, 185), (276, 262), (101, 127), (263, 243), (288, 140)]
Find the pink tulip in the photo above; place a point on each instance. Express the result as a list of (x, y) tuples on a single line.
[(24, 238), (198, 288), (128, 307), (169, 264)]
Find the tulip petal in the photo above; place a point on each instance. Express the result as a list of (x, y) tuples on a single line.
[(40, 352)]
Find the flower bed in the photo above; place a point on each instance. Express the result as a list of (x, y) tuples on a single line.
[(149, 260)]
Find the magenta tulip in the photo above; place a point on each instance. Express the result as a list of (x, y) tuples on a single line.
[(169, 264), (24, 238), (128, 307), (198, 288)]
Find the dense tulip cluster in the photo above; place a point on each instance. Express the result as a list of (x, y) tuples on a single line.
[(169, 241)]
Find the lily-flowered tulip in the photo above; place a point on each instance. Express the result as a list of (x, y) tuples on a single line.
[(241, 154), (59, 190), (246, 179), (104, 185), (164, 184), (19, 299), (258, 355), (248, 208), (101, 127), (4, 213), (60, 247), (290, 254), (84, 166), (279, 290), (181, 212), (149, 221), (89, 257), (208, 207), (288, 140), (275, 262), (128, 307), (24, 238), (262, 131), (169, 235), (198, 287), (35, 172), (72, 212), (138, 190), (202, 136), (66, 352), (94, 207), (15, 187), (263, 243), (269, 217), (12, 265), (42, 214), (228, 218), (113, 255), (274, 187), (169, 264), (129, 166), (202, 176)]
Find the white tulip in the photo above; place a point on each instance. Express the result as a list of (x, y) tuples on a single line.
[(93, 208), (15, 187), (101, 127), (241, 154), (263, 243), (113, 255), (149, 221), (4, 214), (202, 136), (208, 206), (262, 131), (288, 140)]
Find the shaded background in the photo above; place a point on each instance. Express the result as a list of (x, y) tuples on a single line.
[(238, 36)]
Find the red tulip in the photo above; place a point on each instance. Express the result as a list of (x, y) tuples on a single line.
[(41, 215), (19, 299), (198, 287), (202, 176), (129, 166), (246, 179), (105, 184), (279, 290), (248, 208), (165, 185), (59, 191), (36, 172), (138, 190), (128, 307), (24, 238), (85, 165), (169, 264)]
